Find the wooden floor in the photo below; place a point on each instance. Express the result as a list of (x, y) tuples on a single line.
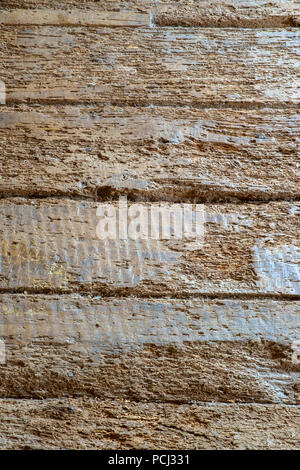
[(135, 344)]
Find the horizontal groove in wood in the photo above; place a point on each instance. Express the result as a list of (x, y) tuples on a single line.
[(205, 13), (247, 249), (122, 425), (108, 292), (167, 65), (151, 153), (74, 17), (150, 350)]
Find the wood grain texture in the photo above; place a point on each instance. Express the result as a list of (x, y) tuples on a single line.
[(150, 66), (85, 5), (217, 13), (247, 249), (94, 424), (149, 350), (152, 153), (97, 109), (74, 17), (228, 13)]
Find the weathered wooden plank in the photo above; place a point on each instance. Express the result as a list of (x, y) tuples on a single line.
[(94, 424), (86, 5), (246, 249), (216, 13), (150, 66), (74, 17), (157, 153), (153, 350), (228, 13)]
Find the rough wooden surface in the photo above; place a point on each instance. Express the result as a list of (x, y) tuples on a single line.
[(92, 424), (93, 5), (153, 153), (74, 17), (217, 13), (247, 249), (169, 66), (149, 350), (185, 344), (228, 13)]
